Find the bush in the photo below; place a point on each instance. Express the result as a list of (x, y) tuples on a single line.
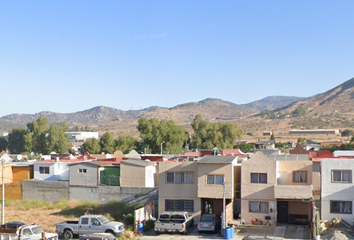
[(129, 220), (149, 225)]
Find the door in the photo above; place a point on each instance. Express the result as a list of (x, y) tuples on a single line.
[(282, 209)]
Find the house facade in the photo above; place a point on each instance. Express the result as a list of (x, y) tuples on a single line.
[(279, 190), (198, 187), (178, 187), (337, 189), (138, 173)]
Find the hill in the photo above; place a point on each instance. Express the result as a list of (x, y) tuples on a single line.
[(331, 109)]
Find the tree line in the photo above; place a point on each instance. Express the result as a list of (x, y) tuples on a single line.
[(156, 136)]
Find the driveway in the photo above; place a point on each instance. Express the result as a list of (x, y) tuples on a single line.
[(283, 232)]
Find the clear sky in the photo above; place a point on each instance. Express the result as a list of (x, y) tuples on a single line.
[(71, 55)]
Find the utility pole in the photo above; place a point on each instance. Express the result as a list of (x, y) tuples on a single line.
[(223, 207), (3, 193)]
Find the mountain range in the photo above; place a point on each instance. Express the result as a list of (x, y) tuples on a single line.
[(331, 109)]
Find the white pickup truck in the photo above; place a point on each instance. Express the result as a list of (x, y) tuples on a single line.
[(25, 232), (170, 222), (88, 224)]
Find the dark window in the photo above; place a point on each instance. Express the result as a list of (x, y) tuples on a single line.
[(215, 179), (179, 205), (300, 176), (180, 177), (261, 207), (84, 220), (82, 170), (341, 207), (259, 178), (44, 170), (344, 176)]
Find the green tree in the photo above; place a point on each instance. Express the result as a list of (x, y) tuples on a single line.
[(220, 134), (58, 140), (126, 143), (165, 133), (107, 143), (149, 133), (200, 128), (174, 136), (37, 141), (246, 148), (3, 144), (92, 145), (347, 133), (300, 111), (16, 140)]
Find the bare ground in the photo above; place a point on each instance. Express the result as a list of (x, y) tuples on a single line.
[(47, 218)]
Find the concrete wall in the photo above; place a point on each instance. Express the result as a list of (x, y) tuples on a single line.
[(55, 191), (51, 191)]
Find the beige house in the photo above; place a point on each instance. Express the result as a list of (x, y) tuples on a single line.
[(279, 190), (198, 187), (137, 173)]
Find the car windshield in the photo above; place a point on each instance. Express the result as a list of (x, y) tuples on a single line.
[(103, 220), (207, 219), (37, 230)]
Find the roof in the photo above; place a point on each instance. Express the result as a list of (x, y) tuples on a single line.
[(98, 163), (217, 159), (137, 163)]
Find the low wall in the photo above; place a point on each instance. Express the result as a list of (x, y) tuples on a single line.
[(54, 191)]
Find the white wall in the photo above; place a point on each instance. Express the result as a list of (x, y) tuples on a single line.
[(336, 191)]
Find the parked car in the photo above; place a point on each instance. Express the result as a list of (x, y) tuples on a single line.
[(209, 222), (89, 224), (18, 231), (170, 222)]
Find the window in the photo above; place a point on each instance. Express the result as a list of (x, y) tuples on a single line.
[(179, 205), (341, 207), (261, 207), (84, 220), (215, 179), (344, 176), (82, 170), (44, 170), (180, 177), (258, 178), (300, 176)]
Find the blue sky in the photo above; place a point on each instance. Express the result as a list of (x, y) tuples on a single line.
[(71, 55)]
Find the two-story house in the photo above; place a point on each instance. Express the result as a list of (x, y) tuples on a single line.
[(279, 190), (198, 187), (337, 189)]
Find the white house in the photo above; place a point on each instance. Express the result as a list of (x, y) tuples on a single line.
[(337, 189), (56, 170)]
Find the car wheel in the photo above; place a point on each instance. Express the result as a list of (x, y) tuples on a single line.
[(110, 231), (68, 234)]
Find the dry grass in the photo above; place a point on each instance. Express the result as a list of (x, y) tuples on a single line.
[(47, 218)]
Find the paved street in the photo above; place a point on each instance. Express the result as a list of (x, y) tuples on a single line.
[(286, 232)]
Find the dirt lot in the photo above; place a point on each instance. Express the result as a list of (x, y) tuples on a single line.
[(47, 218)]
